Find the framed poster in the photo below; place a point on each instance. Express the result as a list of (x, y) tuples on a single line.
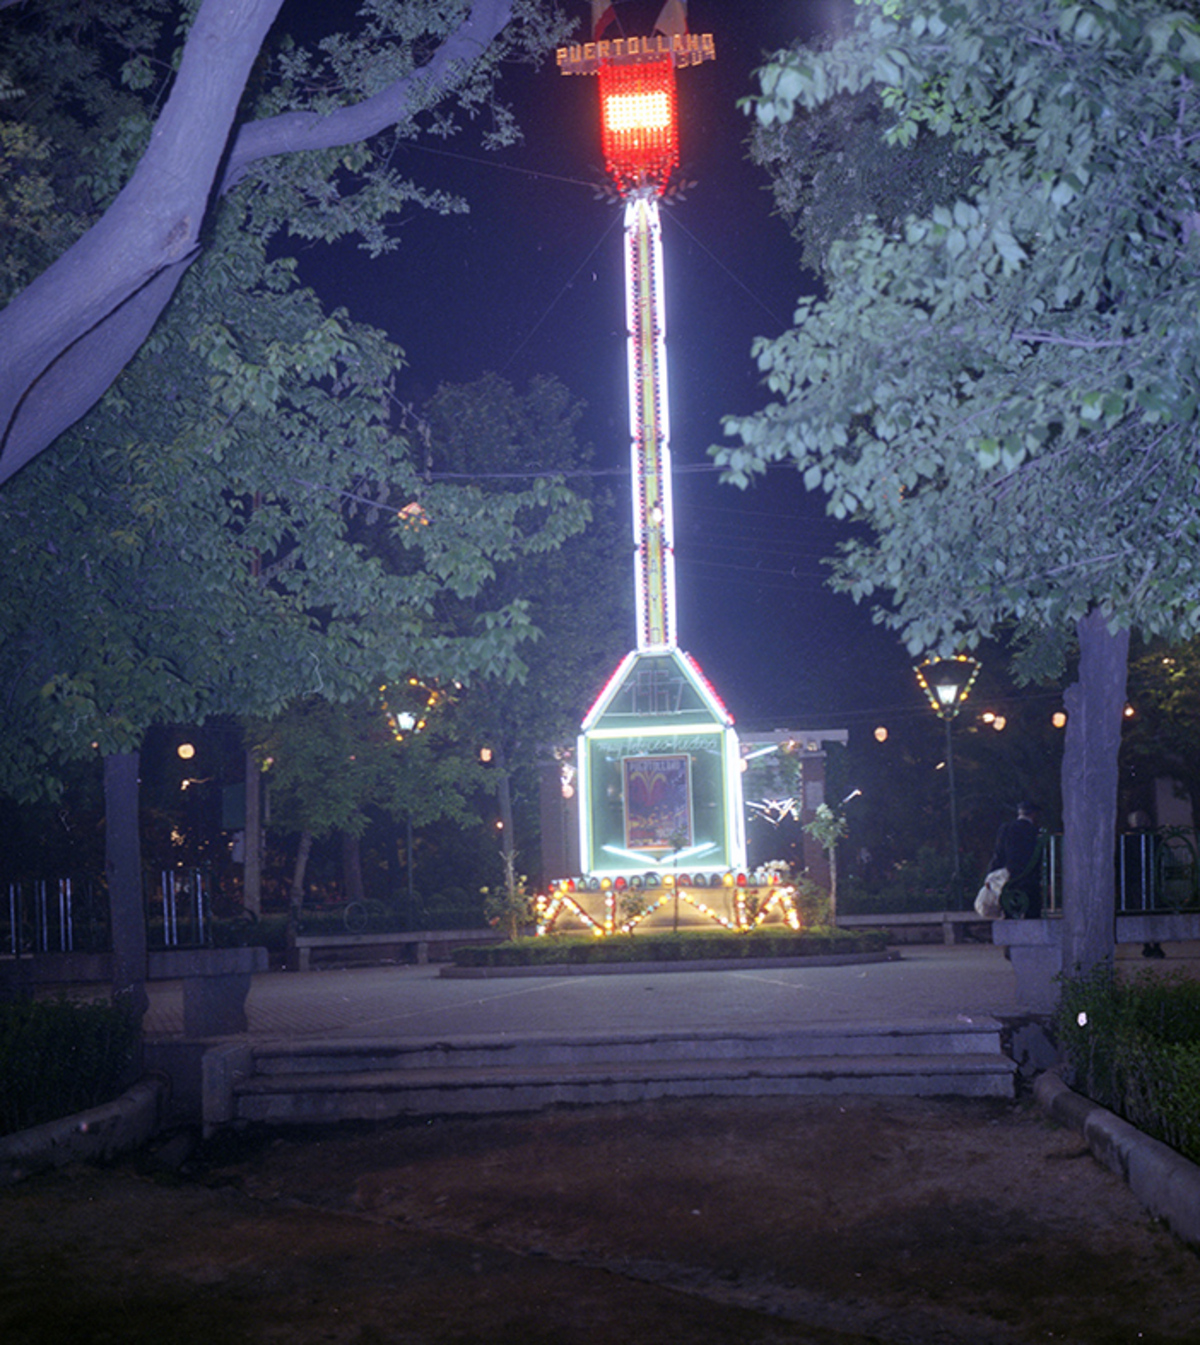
[(658, 803)]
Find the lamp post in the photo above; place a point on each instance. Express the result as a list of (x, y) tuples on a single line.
[(946, 683)]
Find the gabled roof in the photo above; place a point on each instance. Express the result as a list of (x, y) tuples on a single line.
[(664, 687)]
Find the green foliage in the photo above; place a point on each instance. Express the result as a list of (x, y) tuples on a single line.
[(923, 883), (511, 907), (329, 765), (58, 1057), (577, 597), (686, 946), (1003, 386), (69, 136), (225, 534), (1135, 1048), (1163, 736), (833, 170), (827, 827), (811, 902)]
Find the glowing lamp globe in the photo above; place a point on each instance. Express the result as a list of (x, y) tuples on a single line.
[(947, 682)]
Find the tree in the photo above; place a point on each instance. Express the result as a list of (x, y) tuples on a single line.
[(833, 169), (237, 526), (330, 766), (827, 828), (1005, 388), (1163, 736), (579, 596), (300, 135)]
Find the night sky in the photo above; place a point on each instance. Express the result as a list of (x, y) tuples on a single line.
[(530, 282)]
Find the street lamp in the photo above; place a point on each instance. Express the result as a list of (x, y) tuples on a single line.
[(946, 683)]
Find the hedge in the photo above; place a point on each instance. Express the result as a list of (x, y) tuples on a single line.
[(670, 947)]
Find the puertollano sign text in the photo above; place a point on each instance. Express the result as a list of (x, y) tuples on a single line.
[(586, 58)]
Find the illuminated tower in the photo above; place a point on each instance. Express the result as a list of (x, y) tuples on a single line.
[(659, 778)]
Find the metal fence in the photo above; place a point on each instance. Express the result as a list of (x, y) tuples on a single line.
[(60, 915), (70, 915), (179, 910), (1155, 871)]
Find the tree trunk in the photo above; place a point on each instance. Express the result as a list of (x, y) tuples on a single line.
[(352, 878), (508, 850), (1095, 710), (123, 869), (252, 850), (833, 886), (297, 894)]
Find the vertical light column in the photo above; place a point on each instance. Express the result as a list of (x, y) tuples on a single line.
[(649, 425)]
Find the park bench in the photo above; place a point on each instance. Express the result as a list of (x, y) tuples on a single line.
[(411, 945), (918, 926)]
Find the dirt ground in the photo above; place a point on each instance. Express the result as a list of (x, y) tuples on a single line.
[(828, 1221)]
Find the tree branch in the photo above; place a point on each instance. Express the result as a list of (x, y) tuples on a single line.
[(294, 132), (66, 337), (153, 225)]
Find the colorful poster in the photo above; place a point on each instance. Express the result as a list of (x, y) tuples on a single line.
[(658, 803)]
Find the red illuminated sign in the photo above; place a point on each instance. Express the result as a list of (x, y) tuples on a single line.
[(638, 123)]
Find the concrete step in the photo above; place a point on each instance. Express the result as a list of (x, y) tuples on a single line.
[(321, 1082), (300, 1099), (480, 1052)]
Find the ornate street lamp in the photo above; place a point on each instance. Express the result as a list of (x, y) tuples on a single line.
[(946, 683)]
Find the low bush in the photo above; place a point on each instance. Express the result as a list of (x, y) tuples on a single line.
[(58, 1057), (688, 946), (1134, 1047), (924, 883)]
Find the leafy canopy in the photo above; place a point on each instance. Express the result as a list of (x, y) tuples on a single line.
[(1005, 387), (238, 525), (115, 189)]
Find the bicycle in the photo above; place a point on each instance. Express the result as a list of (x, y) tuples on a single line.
[(358, 916)]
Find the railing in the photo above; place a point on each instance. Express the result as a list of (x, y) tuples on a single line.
[(62, 915), (1155, 871), (179, 910), (71, 915)]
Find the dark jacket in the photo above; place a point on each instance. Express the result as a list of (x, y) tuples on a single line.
[(1017, 851)]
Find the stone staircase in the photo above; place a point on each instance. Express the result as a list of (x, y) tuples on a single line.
[(319, 1082)]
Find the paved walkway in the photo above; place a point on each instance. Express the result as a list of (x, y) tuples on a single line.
[(927, 984)]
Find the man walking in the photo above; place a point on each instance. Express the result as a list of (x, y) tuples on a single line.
[(1019, 850)]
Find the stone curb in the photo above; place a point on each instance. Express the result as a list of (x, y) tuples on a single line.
[(1165, 1182), (454, 973), (100, 1133)]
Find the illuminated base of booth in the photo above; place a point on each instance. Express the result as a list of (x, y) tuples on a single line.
[(576, 906)]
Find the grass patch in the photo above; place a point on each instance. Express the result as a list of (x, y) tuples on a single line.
[(686, 946)]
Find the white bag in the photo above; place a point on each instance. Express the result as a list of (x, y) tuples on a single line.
[(987, 903)]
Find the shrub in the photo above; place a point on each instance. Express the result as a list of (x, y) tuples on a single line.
[(812, 902), (1134, 1048), (60, 1056), (925, 883), (690, 946)]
